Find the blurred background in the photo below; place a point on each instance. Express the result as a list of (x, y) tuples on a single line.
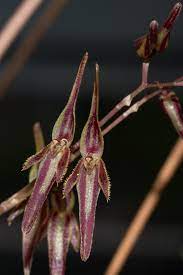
[(134, 151)]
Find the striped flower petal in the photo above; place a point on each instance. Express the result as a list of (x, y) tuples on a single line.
[(63, 165), (104, 180), (91, 142), (65, 124), (72, 179), (174, 13), (31, 239), (43, 184), (35, 159), (88, 191), (58, 243)]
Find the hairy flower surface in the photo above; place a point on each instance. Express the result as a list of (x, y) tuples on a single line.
[(90, 174), (172, 108), (157, 40), (55, 157)]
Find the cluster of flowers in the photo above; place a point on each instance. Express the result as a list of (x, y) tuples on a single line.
[(47, 201)]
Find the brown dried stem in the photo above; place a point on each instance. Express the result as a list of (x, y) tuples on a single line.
[(146, 209), (16, 22), (29, 43)]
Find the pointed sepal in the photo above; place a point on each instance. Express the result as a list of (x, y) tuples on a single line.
[(58, 242), (91, 142), (104, 180), (65, 124), (88, 191)]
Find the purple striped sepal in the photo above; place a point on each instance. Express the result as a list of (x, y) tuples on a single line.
[(164, 33), (31, 240), (55, 157), (63, 229), (173, 109), (89, 175)]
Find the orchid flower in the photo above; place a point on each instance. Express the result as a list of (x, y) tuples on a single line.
[(157, 40), (90, 174), (62, 230), (172, 108), (17, 201), (55, 157), (60, 225)]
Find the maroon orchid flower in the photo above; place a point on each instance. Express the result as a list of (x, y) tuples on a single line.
[(55, 157), (60, 225), (63, 229), (90, 174), (172, 108), (157, 40)]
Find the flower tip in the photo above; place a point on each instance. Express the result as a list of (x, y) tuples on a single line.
[(154, 25), (178, 6), (84, 257)]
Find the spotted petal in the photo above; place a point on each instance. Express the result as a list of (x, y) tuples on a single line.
[(88, 191)]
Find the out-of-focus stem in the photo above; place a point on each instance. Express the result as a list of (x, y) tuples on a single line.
[(16, 22), (29, 43), (146, 209)]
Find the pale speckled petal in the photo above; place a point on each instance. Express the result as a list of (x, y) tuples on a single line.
[(72, 179), (63, 165), (104, 180), (65, 124), (88, 191), (58, 243), (43, 184)]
